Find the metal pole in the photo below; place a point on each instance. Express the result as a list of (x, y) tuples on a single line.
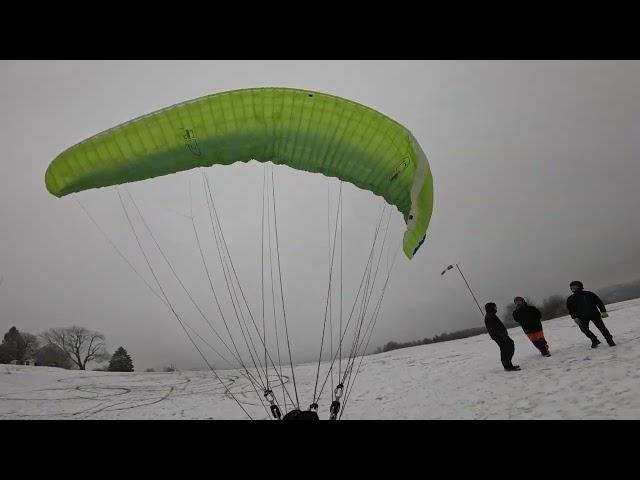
[(470, 291)]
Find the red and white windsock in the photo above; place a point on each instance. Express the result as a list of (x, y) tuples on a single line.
[(445, 270)]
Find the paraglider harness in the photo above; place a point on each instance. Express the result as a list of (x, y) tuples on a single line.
[(311, 414), (300, 415)]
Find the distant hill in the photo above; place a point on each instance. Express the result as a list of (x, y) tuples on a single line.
[(620, 292)]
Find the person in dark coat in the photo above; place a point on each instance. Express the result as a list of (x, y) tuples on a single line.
[(529, 317), (498, 333), (585, 307)]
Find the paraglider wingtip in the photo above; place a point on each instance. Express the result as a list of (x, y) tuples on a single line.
[(410, 251), (49, 181)]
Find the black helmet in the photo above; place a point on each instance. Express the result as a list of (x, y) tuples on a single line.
[(518, 298), (490, 307), (577, 283)]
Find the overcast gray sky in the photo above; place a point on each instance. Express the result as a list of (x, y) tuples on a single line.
[(535, 164)]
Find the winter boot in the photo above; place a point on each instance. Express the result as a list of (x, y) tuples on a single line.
[(611, 342), (595, 343)]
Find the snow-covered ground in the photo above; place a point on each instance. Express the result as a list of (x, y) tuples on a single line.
[(461, 379)]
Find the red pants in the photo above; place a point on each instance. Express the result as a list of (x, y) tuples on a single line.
[(537, 338)]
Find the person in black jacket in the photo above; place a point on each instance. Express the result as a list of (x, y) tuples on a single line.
[(529, 317), (498, 333), (585, 307)]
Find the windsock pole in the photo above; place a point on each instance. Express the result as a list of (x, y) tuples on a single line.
[(470, 291)]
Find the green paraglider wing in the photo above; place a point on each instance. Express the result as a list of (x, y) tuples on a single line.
[(305, 130)]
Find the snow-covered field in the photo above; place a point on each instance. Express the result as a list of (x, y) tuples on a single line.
[(461, 379)]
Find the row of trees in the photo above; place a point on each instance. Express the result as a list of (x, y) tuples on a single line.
[(67, 347), (552, 307), (620, 292), (169, 368)]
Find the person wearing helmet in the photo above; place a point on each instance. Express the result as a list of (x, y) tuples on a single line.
[(585, 307), (498, 333), (529, 318)]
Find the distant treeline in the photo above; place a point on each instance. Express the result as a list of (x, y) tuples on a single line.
[(64, 347), (621, 292), (552, 307), (445, 337)]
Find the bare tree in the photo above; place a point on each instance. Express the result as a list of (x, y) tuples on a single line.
[(31, 344), (80, 344), (553, 307)]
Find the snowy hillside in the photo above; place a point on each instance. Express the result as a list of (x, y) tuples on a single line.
[(461, 379)]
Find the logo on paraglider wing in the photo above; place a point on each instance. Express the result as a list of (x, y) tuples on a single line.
[(399, 169), (191, 142)]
